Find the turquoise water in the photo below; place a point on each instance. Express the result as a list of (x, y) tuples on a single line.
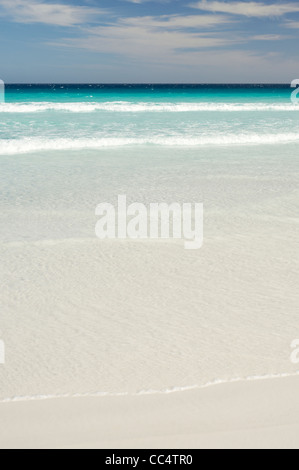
[(152, 93), (38, 118), (82, 316)]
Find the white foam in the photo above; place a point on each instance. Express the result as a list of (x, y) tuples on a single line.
[(129, 107), (167, 391), (31, 145)]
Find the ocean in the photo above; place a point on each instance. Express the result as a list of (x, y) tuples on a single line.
[(70, 117), (80, 316)]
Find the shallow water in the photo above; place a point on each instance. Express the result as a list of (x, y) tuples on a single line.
[(83, 316)]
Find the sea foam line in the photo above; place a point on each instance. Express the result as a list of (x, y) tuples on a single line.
[(130, 107), (152, 392), (31, 145)]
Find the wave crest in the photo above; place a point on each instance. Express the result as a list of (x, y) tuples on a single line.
[(30, 145), (129, 107)]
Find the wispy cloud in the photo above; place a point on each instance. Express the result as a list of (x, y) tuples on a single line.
[(268, 37), (171, 22), (192, 42), (292, 24), (146, 1), (34, 11), (249, 9), (161, 39)]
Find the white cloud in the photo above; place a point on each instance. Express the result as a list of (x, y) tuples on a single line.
[(176, 22), (268, 37), (146, 1), (158, 39), (179, 22), (249, 9), (292, 24), (182, 45), (34, 11)]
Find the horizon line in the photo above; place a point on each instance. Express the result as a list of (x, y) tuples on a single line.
[(148, 83)]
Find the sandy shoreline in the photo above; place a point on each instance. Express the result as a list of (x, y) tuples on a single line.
[(79, 315), (252, 414)]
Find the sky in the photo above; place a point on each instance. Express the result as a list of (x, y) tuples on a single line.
[(144, 41)]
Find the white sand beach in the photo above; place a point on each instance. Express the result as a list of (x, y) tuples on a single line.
[(254, 414), (113, 322), (149, 224)]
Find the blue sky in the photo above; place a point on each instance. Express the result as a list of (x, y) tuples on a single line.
[(139, 41)]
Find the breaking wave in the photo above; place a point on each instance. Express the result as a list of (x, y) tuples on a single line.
[(130, 107), (29, 145)]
